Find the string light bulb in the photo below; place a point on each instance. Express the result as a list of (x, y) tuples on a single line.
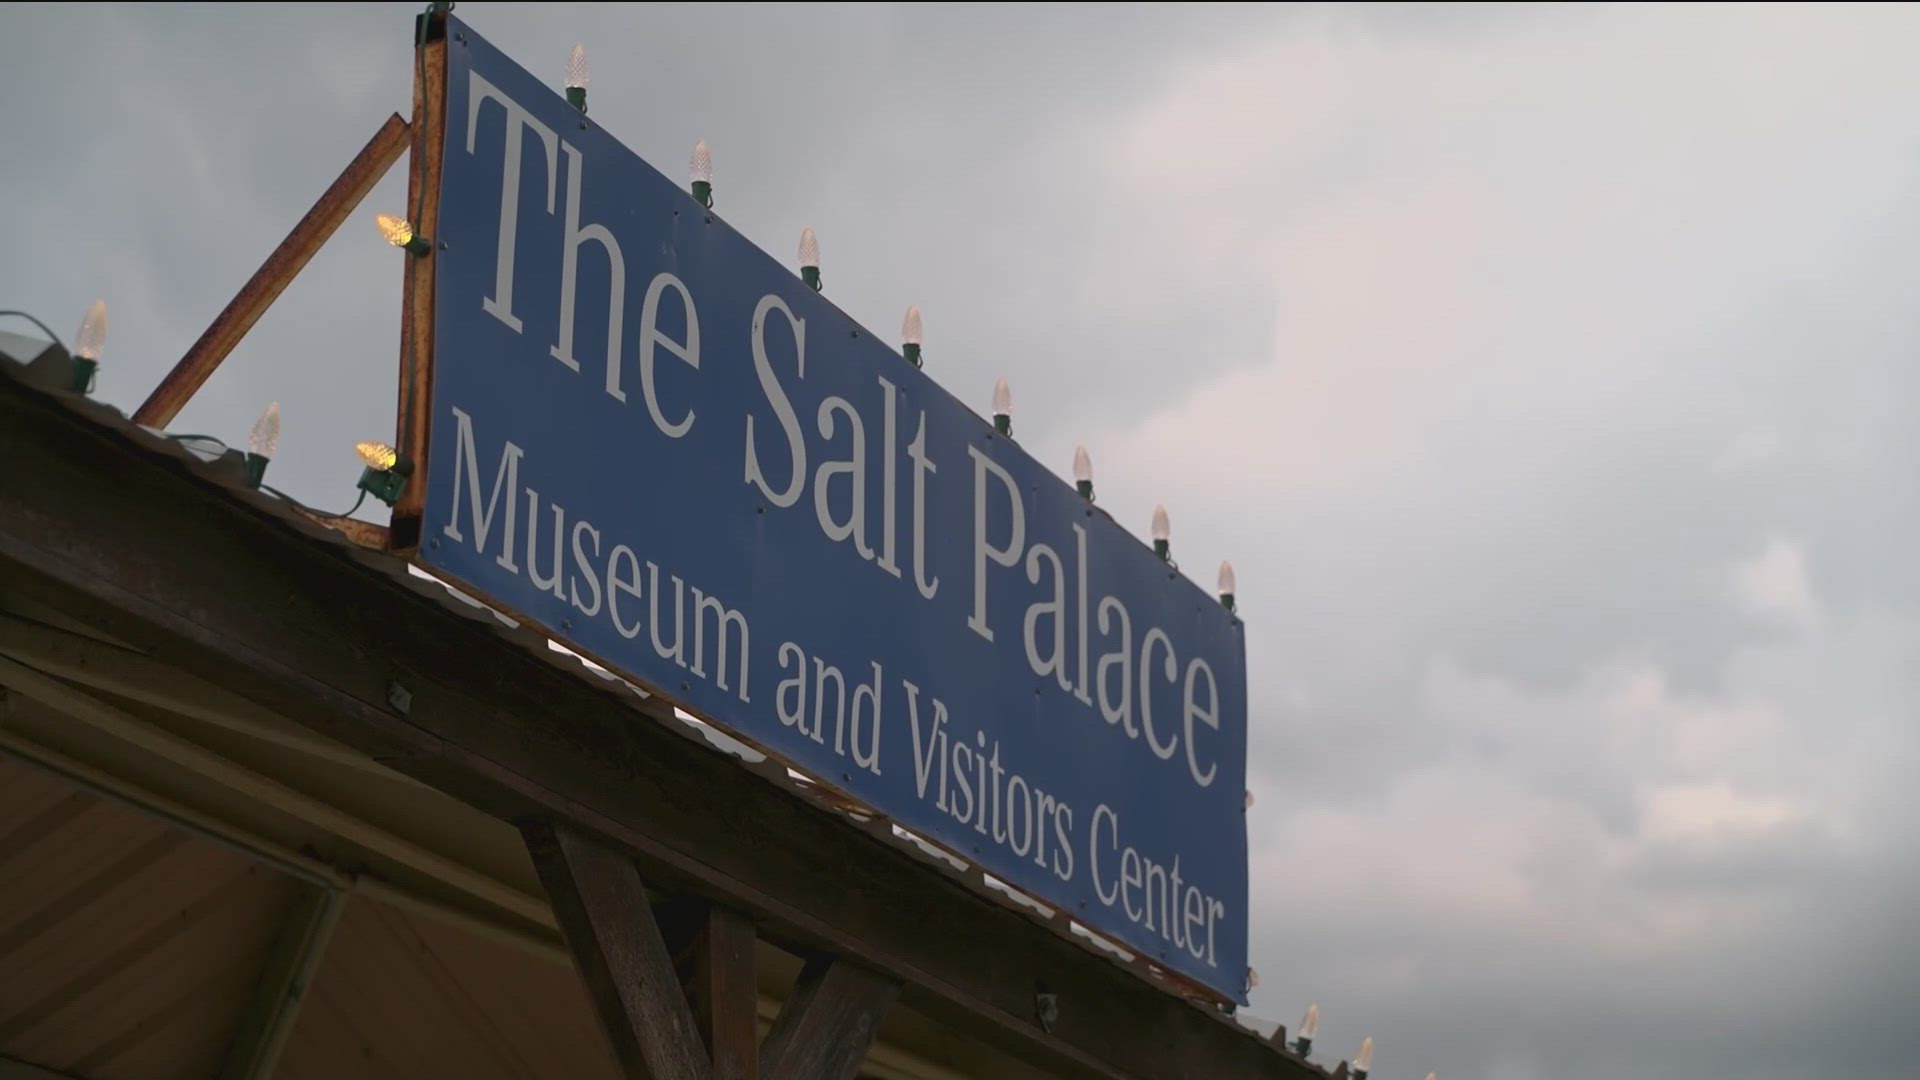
[(1226, 584), (911, 335), (1162, 533), (1002, 407), (1363, 1061), (1083, 473), (1433, 1076), (810, 258), (386, 473), (399, 232), (262, 441), (1309, 1027), (577, 77), (87, 345), (700, 174)]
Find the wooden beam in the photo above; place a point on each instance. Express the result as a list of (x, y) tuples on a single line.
[(828, 1022), (15, 1069), (130, 541), (291, 967), (724, 993), (127, 674), (415, 405), (266, 284), (608, 922), (80, 707)]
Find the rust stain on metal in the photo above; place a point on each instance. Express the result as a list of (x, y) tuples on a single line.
[(364, 534), (280, 268)]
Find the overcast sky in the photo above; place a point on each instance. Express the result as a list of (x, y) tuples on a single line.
[(1549, 374)]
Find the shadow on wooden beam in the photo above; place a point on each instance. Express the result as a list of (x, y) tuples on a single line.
[(827, 1023), (603, 910)]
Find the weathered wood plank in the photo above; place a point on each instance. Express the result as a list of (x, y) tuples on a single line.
[(828, 1022), (725, 994), (211, 585), (604, 912)]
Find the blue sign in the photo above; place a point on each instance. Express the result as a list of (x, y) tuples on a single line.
[(655, 441)]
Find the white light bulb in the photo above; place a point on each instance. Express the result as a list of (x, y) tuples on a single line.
[(910, 327), (1363, 1061), (1253, 978), (1002, 398), (577, 68), (1082, 465), (93, 332), (1310, 1024), (1162, 530), (264, 439), (809, 248), (1433, 1076), (701, 170), (1226, 578)]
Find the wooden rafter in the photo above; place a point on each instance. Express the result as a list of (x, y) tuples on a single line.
[(608, 922), (290, 969), (825, 1027)]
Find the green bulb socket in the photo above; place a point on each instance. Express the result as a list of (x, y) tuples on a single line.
[(577, 97), (1085, 488), (386, 484), (912, 353), (1003, 423), (84, 370), (811, 275), (256, 469), (703, 193), (1161, 548)]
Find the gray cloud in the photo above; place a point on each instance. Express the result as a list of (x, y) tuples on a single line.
[(1547, 374)]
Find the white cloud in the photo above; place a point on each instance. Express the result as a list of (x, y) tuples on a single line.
[(1774, 584)]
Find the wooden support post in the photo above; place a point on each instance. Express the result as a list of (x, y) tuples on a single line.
[(827, 1024), (724, 994), (266, 284), (603, 909), (289, 971)]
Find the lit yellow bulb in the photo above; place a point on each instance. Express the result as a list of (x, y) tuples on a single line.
[(377, 455), (1363, 1061), (397, 230)]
